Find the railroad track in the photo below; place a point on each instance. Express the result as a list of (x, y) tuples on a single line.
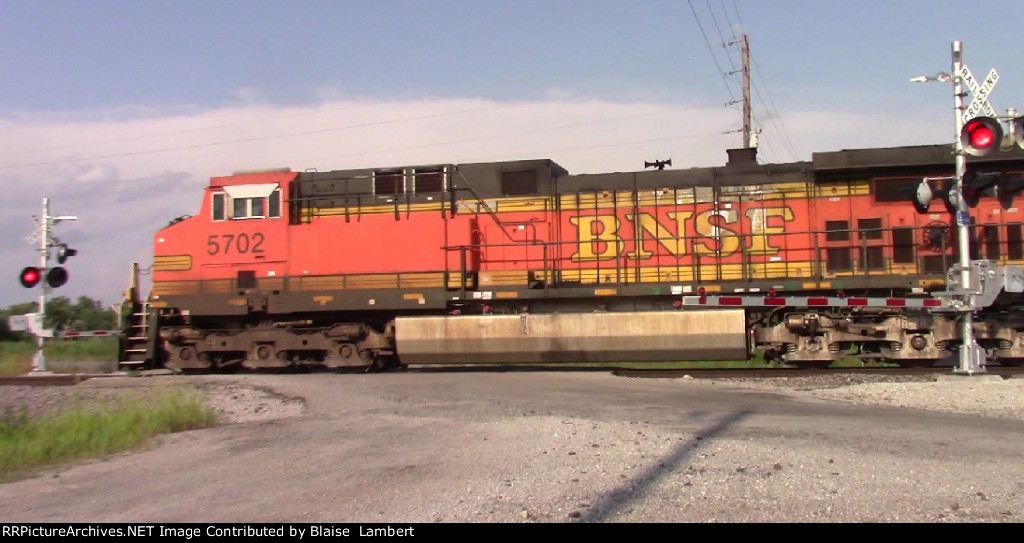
[(47, 380), (747, 373), (695, 373)]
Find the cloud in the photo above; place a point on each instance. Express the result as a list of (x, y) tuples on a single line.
[(125, 173)]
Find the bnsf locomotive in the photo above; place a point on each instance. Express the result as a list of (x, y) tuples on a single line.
[(521, 262)]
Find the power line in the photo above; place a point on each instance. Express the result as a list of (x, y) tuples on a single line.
[(721, 72), (728, 55), (518, 133), (774, 115), (494, 107)]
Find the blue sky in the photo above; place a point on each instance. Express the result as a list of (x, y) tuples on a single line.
[(119, 111)]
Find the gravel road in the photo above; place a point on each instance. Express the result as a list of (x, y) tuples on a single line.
[(986, 395), (510, 448)]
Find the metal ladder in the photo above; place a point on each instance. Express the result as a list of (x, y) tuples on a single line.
[(136, 346)]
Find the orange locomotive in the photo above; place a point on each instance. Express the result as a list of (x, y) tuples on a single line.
[(521, 262)]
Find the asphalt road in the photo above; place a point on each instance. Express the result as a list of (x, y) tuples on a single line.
[(547, 447)]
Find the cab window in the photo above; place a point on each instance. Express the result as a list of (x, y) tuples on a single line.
[(247, 202)]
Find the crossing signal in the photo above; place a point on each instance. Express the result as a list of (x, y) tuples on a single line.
[(978, 184), (924, 194), (981, 136), (64, 253), (30, 277), (56, 277)]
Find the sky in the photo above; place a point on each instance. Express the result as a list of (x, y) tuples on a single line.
[(119, 111)]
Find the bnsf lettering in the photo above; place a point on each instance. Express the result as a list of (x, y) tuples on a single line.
[(231, 243), (715, 232)]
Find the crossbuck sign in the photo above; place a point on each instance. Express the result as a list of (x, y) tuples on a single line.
[(980, 92)]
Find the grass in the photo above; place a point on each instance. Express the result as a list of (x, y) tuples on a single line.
[(86, 355), (95, 430)]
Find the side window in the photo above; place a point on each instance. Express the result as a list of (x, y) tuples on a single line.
[(240, 209), (274, 204), (218, 206), (249, 201), (247, 208)]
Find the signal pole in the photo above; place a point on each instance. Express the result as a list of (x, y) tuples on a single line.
[(45, 243), (971, 354)]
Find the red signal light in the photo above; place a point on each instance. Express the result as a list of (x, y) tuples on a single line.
[(981, 136), (30, 277)]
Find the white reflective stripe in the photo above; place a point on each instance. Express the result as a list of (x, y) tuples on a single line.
[(261, 190), (726, 300)]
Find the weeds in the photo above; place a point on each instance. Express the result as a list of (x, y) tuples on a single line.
[(96, 429)]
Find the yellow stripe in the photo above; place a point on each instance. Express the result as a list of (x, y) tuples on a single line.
[(687, 273), (421, 280), (371, 281), (172, 263), (323, 282), (375, 209), (411, 296), (168, 288), (219, 286), (503, 278), (270, 283)]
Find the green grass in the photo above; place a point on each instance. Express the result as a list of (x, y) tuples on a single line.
[(95, 430), (86, 355)]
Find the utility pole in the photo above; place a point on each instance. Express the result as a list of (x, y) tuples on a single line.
[(747, 130), (745, 55)]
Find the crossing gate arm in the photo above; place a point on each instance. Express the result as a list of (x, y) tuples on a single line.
[(88, 333)]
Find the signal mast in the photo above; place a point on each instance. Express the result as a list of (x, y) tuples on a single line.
[(45, 276)]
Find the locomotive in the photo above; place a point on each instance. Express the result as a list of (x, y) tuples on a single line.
[(521, 262)]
